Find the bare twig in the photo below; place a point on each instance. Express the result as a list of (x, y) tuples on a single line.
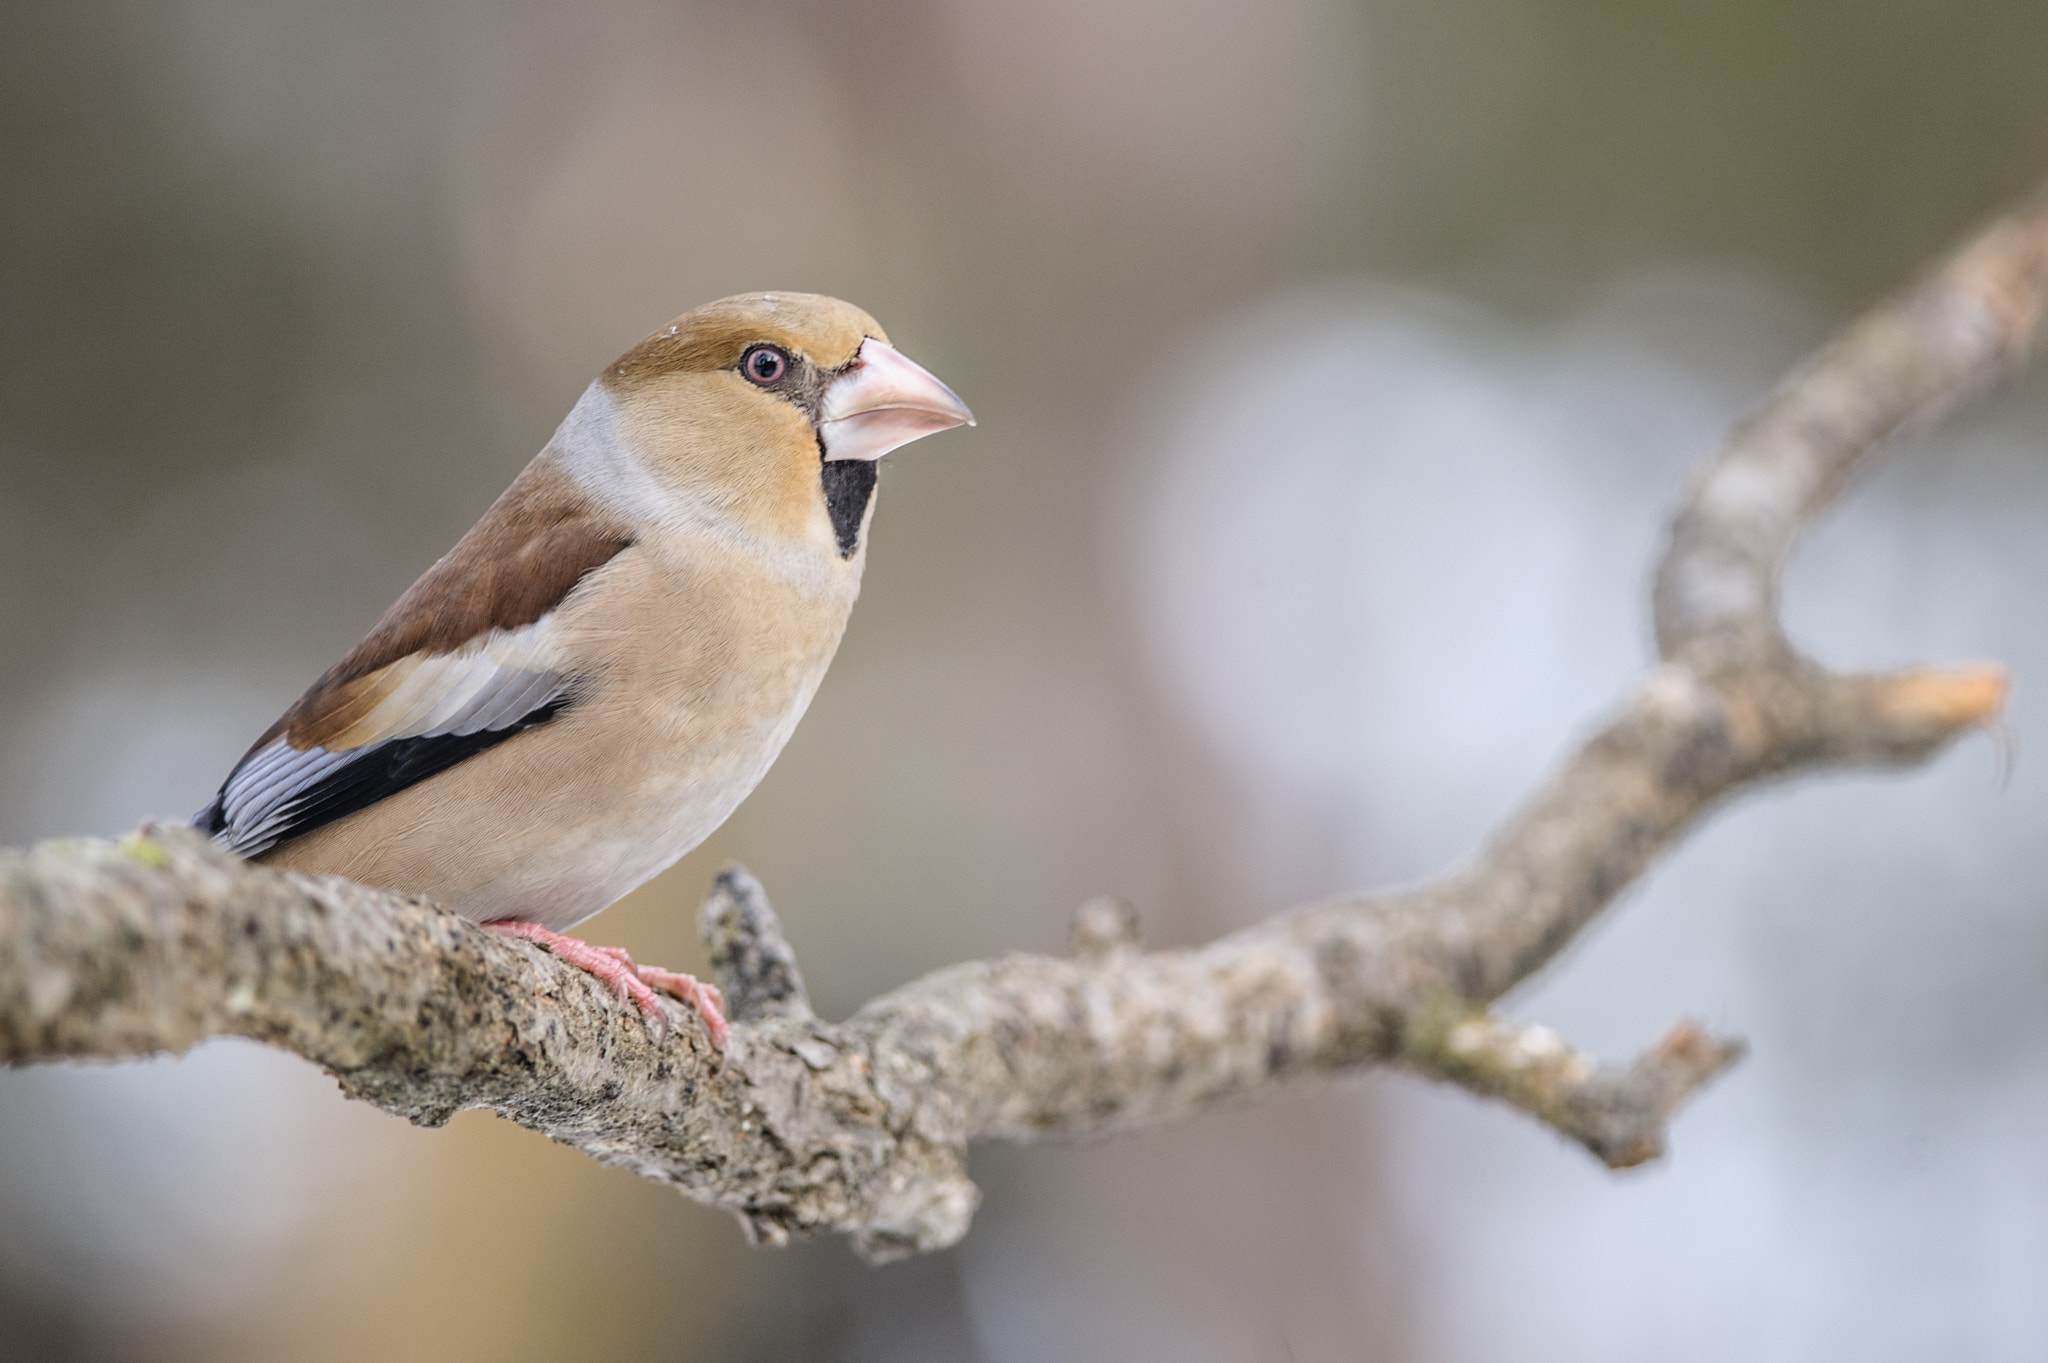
[(153, 942)]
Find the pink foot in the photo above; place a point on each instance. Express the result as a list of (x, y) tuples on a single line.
[(613, 966), (701, 995)]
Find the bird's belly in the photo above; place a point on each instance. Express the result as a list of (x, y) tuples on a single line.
[(681, 793), (589, 864), (624, 797), (558, 822)]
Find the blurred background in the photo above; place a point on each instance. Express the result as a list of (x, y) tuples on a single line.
[(1335, 363)]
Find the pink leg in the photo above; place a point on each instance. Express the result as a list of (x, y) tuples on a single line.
[(613, 966)]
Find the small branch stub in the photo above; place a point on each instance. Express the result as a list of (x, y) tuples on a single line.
[(1617, 1113), (750, 954), (1102, 928)]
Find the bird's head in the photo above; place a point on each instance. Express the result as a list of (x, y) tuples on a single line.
[(769, 408)]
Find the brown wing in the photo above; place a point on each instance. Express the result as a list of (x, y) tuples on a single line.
[(463, 661), (513, 567)]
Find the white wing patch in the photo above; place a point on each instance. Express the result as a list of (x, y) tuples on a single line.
[(486, 685), (492, 686)]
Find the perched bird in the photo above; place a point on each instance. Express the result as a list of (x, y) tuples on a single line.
[(608, 662)]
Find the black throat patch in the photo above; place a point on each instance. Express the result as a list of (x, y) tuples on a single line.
[(849, 485)]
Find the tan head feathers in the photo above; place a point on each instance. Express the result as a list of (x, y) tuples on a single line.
[(823, 330)]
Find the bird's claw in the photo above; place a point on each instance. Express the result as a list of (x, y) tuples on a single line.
[(635, 983), (701, 995)]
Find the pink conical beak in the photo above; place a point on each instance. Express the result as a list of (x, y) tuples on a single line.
[(884, 402)]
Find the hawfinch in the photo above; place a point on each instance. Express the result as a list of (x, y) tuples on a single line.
[(596, 675)]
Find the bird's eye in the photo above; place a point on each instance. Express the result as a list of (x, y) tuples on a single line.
[(764, 364)]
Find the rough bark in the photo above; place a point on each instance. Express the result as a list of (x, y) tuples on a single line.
[(153, 942)]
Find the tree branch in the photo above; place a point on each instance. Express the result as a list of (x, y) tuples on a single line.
[(155, 941)]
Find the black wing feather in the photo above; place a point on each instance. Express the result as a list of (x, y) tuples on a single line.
[(376, 773)]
